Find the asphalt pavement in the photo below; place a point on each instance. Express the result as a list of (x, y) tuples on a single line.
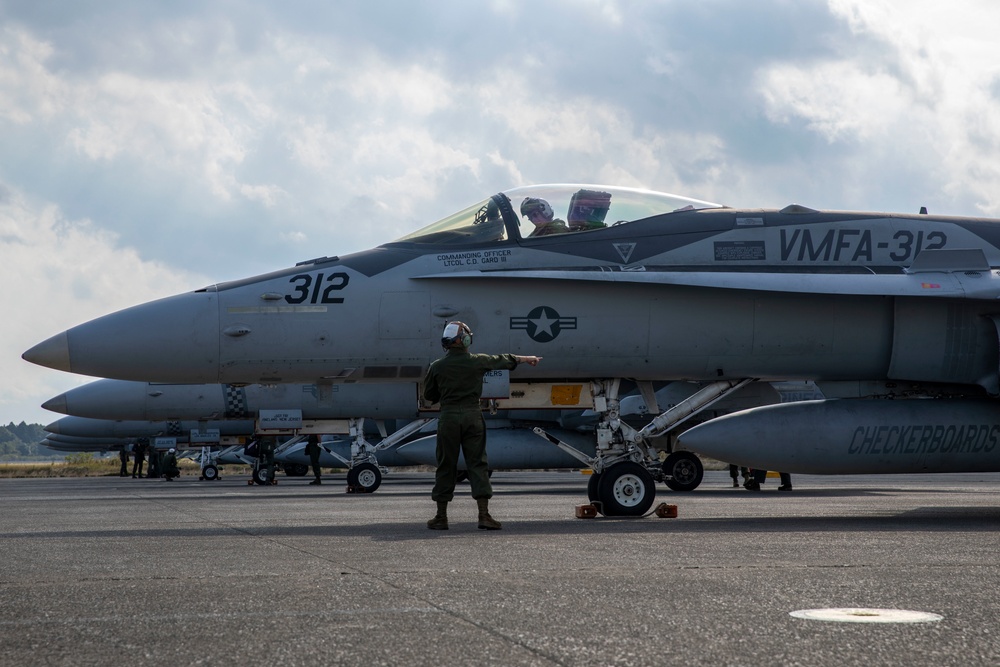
[(108, 571)]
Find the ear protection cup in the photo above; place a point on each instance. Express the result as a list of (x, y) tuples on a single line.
[(456, 332)]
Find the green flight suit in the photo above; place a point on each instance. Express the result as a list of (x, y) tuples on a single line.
[(456, 382), (313, 452), (170, 469)]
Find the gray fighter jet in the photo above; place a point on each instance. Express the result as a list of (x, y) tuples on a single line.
[(612, 285)]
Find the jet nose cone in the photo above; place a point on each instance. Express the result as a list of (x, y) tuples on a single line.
[(103, 399), (56, 404), (170, 340), (51, 353)]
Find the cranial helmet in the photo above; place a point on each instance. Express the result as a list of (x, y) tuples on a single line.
[(171, 450), (533, 204), (456, 333)]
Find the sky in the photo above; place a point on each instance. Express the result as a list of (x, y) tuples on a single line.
[(148, 149)]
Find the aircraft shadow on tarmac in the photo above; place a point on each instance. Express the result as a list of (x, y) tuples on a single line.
[(931, 519)]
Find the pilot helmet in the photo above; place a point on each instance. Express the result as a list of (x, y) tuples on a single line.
[(456, 333), (535, 205)]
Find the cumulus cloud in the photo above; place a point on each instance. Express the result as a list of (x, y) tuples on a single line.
[(60, 273), (916, 92), (190, 141)]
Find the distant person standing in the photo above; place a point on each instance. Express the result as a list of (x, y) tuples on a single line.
[(456, 382), (786, 481), (735, 471), (758, 477), (153, 467), (265, 460), (123, 457), (312, 450), (140, 457)]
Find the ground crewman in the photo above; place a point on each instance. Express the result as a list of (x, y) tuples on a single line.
[(169, 467), (140, 456), (456, 382), (312, 450)]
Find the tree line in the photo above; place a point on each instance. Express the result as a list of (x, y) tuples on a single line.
[(19, 441)]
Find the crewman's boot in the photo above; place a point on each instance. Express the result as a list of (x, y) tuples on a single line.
[(486, 522), (440, 520)]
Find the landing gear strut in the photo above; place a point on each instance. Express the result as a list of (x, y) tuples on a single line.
[(626, 466), (364, 474)]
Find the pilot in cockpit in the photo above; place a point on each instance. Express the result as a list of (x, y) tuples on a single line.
[(540, 213)]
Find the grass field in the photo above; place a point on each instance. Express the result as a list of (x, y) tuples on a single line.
[(88, 465)]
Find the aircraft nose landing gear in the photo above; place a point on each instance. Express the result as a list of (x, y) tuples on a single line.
[(364, 478), (626, 489), (625, 466)]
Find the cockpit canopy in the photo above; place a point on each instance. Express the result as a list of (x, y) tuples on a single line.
[(543, 210)]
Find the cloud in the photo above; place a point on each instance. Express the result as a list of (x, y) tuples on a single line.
[(913, 94), (60, 273), (208, 145)]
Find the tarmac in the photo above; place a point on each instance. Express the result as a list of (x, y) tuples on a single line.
[(107, 571)]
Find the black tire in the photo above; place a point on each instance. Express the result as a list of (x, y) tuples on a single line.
[(593, 495), (684, 471), (262, 476), (367, 476), (626, 489), (210, 472), (296, 469)]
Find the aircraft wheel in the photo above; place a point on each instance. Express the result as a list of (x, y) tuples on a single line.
[(366, 475), (626, 489), (296, 469), (262, 476), (210, 472), (684, 470), (592, 484)]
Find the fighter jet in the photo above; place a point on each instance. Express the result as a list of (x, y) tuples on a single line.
[(612, 286)]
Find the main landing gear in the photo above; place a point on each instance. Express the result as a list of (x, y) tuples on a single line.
[(209, 465), (364, 474), (626, 466)]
